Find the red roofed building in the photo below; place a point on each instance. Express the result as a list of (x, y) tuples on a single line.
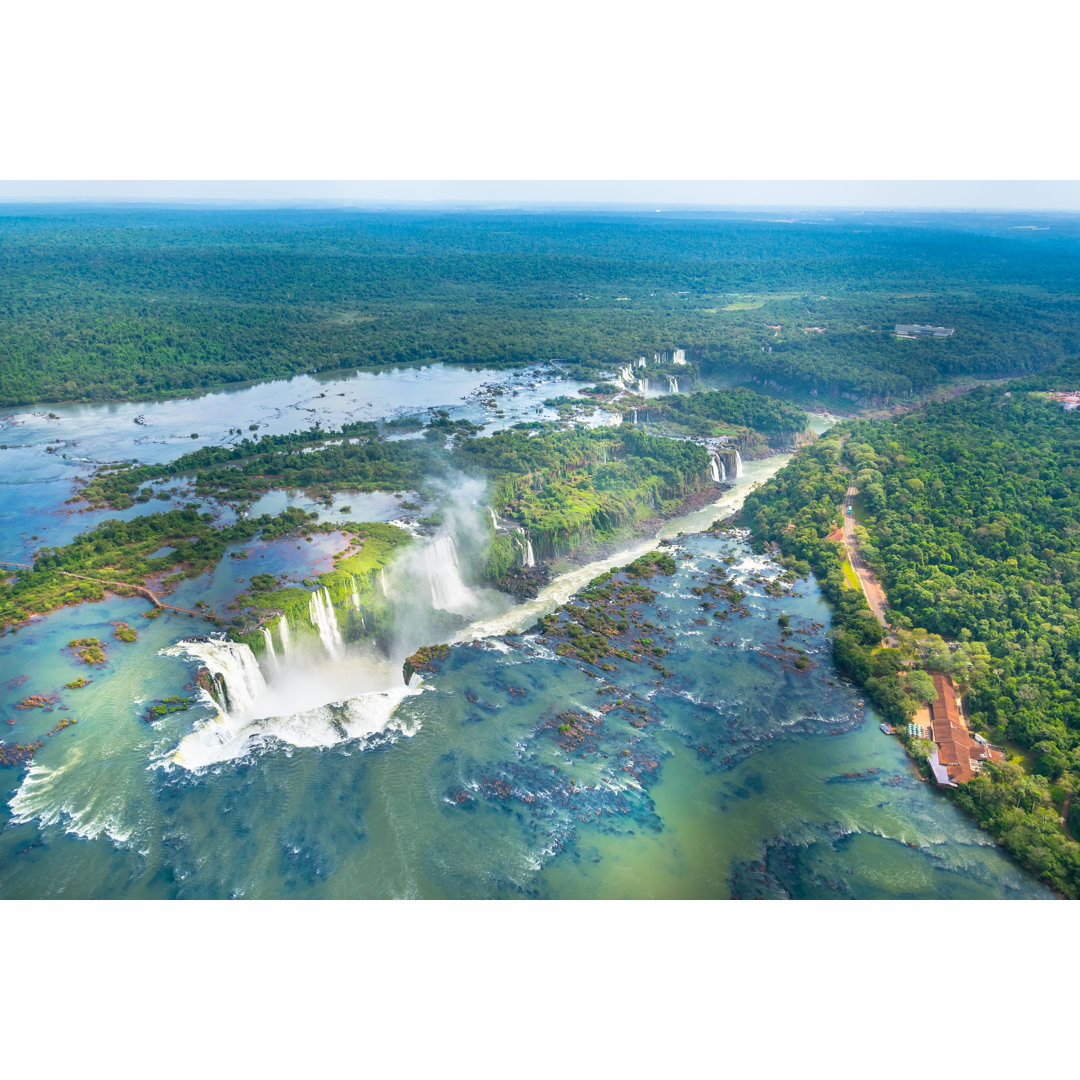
[(959, 755)]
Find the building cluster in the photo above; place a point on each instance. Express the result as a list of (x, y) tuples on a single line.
[(1069, 399), (909, 330), (958, 754)]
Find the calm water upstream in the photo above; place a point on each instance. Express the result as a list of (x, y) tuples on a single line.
[(740, 774)]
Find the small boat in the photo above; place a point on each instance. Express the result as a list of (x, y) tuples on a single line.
[(887, 729)]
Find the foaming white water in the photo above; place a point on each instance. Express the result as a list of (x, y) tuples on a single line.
[(323, 618), (317, 702), (528, 558), (40, 798), (448, 591), (561, 588), (738, 465), (286, 643), (234, 662), (227, 737)]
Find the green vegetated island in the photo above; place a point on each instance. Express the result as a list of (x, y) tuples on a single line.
[(967, 506)]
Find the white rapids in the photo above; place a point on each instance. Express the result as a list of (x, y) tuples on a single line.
[(311, 703), (560, 589)]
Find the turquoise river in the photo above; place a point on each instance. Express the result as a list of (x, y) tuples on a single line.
[(510, 771)]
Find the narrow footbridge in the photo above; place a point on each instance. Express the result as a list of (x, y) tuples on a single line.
[(142, 590)]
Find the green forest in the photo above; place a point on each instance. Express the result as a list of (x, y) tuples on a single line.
[(751, 421), (969, 508), (972, 522), (111, 303), (570, 490)]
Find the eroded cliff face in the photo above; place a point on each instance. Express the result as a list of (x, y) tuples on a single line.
[(426, 658)]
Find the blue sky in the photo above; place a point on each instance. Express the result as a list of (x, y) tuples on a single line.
[(926, 194)]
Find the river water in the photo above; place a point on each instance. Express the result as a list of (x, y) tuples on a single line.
[(740, 774)]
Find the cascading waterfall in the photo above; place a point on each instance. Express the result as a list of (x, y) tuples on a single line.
[(529, 558), (283, 633), (233, 664), (738, 465), (626, 373), (494, 519), (268, 640), (634, 411), (673, 384), (249, 713), (643, 386), (322, 616), (448, 591), (716, 466), (679, 357), (355, 595), (382, 583), (641, 361)]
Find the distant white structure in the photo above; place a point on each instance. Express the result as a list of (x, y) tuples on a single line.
[(917, 330)]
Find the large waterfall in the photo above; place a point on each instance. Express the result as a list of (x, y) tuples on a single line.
[(641, 361), (679, 357), (355, 595), (322, 616), (716, 465), (494, 519), (382, 582), (738, 465), (231, 662), (626, 374), (283, 633), (528, 559), (634, 411), (673, 384), (268, 640), (643, 386), (448, 591), (318, 705)]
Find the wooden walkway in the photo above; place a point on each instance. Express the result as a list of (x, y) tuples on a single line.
[(142, 590)]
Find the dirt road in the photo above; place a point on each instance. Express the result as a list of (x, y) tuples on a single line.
[(871, 587)]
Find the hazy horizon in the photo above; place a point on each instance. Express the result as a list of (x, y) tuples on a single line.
[(936, 195)]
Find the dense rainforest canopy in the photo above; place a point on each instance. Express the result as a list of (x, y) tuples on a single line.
[(972, 518), (106, 303)]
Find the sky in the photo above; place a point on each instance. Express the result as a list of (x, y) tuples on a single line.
[(483, 101), (901, 194)]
